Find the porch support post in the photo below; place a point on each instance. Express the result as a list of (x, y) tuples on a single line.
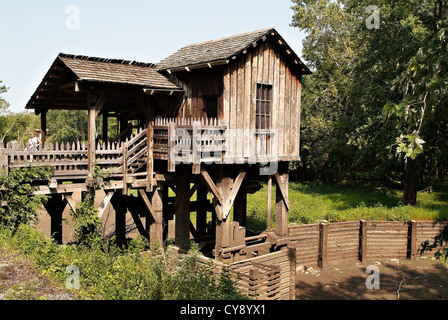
[(282, 201), (105, 127), (43, 127), (91, 132), (55, 207), (223, 184), (182, 210), (240, 208), (119, 203), (201, 213)]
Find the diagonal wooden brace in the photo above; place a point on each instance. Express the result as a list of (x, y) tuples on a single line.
[(281, 186)]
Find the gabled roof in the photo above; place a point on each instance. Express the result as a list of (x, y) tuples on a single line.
[(68, 70), (220, 50), (117, 71)]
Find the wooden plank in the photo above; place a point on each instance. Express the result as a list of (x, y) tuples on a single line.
[(233, 110), (281, 126), (254, 80), (171, 147), (269, 206), (150, 156), (247, 102), (91, 138), (125, 168), (283, 190), (149, 206), (182, 213), (211, 185), (104, 203), (235, 188), (323, 240), (287, 114), (363, 241), (70, 201), (298, 117), (196, 147), (239, 136)]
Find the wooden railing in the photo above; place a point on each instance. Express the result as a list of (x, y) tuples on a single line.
[(68, 160), (192, 141), (174, 140)]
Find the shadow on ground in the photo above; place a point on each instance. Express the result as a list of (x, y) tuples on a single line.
[(408, 280)]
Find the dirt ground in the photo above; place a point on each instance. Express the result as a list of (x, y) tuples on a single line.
[(399, 279), (20, 281)]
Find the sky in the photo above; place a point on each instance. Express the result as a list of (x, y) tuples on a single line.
[(34, 32)]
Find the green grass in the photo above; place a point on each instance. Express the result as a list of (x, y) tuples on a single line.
[(310, 204)]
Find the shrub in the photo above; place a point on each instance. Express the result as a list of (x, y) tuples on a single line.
[(111, 273), (22, 207)]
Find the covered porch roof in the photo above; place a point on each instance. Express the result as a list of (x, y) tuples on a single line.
[(70, 79)]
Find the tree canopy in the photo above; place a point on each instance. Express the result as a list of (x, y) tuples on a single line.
[(375, 106)]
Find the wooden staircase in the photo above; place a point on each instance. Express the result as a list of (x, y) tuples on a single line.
[(137, 158)]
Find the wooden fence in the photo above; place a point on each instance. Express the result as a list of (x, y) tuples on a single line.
[(332, 243)]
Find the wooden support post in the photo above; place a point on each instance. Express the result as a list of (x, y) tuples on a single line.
[(223, 185), (363, 241), (282, 207), (91, 132), (106, 200), (166, 213), (125, 168), (253, 282), (268, 218), (182, 211), (412, 240), (171, 147), (119, 203), (43, 126), (292, 264), (105, 127), (55, 207), (240, 208), (201, 213), (149, 157), (196, 147), (156, 226), (323, 240)]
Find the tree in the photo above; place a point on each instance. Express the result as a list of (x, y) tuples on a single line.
[(359, 71), (328, 51)]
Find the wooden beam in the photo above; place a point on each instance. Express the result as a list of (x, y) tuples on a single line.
[(106, 200), (211, 185), (268, 226), (70, 201), (235, 188), (157, 218), (91, 132), (284, 193), (100, 104), (43, 126)]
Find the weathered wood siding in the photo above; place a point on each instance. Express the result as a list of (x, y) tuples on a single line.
[(199, 84), (265, 65)]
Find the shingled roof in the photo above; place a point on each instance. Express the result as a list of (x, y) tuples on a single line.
[(219, 50), (117, 71)]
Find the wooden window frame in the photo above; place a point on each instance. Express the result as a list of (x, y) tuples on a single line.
[(263, 108)]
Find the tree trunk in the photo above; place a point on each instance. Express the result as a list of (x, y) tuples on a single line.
[(410, 183)]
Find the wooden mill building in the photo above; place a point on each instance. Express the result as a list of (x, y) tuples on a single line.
[(197, 132)]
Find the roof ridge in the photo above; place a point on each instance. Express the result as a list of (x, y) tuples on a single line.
[(107, 60), (230, 37)]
